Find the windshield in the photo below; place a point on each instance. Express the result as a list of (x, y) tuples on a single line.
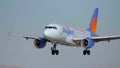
[(50, 27)]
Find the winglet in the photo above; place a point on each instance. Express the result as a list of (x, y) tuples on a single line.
[(93, 23)]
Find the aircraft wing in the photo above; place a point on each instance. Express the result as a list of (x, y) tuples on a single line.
[(107, 38), (99, 39), (28, 37)]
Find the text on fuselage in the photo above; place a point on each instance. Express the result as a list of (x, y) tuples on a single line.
[(68, 31)]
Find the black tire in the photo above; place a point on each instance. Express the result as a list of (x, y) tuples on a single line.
[(84, 52), (57, 52), (53, 52), (88, 52)]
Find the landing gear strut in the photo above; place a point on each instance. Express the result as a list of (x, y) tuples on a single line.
[(54, 50), (86, 52)]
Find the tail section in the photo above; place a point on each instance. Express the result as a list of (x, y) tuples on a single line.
[(93, 23)]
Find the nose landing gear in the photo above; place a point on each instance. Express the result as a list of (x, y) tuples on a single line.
[(54, 50)]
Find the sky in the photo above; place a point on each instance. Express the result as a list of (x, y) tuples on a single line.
[(29, 17)]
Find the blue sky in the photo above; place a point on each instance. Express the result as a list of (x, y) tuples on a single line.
[(28, 17)]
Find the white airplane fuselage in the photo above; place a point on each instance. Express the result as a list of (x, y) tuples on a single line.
[(64, 35)]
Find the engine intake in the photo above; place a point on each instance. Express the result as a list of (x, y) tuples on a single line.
[(88, 43), (37, 42), (40, 42)]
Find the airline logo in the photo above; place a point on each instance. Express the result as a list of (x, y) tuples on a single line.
[(68, 31)]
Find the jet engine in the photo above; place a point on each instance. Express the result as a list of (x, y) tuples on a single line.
[(87, 43), (40, 42)]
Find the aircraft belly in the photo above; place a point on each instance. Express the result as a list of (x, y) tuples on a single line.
[(68, 42)]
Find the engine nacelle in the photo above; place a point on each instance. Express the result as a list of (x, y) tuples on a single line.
[(87, 43), (40, 42)]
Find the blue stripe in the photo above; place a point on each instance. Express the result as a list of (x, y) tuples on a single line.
[(93, 35)]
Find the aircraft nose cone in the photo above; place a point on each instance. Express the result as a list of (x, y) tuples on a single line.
[(50, 34), (45, 34)]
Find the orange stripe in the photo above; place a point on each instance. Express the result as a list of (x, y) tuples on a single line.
[(93, 25)]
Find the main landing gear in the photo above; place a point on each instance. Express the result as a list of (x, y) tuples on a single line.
[(86, 52), (54, 50)]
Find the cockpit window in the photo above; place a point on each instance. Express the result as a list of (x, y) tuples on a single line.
[(50, 27)]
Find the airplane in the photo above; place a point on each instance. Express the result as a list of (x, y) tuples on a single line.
[(74, 37)]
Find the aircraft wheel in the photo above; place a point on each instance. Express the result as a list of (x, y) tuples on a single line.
[(57, 52), (53, 52), (88, 52), (84, 52)]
